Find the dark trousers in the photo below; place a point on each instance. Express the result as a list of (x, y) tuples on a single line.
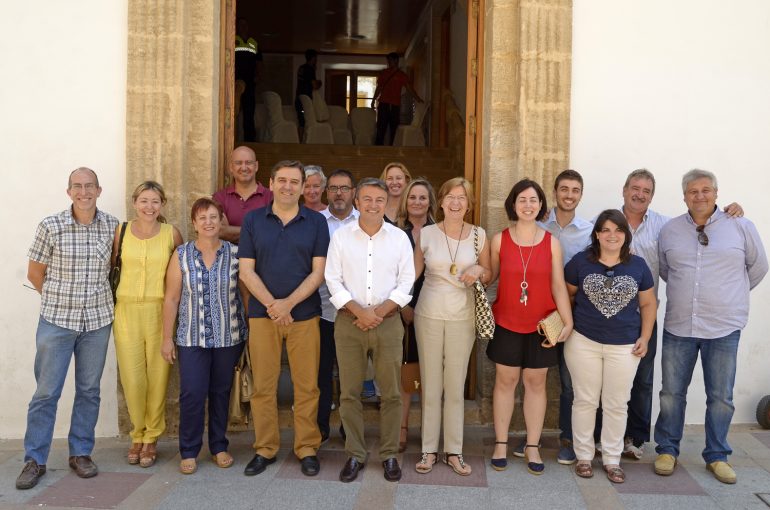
[(640, 405), (205, 373), (248, 104), (326, 374), (388, 116)]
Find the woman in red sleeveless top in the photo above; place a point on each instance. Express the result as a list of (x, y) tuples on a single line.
[(529, 263)]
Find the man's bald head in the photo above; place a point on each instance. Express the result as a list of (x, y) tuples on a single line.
[(244, 165), (82, 169)]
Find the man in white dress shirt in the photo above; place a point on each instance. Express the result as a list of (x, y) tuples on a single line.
[(369, 274)]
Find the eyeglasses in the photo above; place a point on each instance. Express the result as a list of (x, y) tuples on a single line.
[(89, 186), (341, 189), (703, 239), (609, 273)]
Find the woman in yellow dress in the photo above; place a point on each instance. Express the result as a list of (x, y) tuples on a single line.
[(147, 244)]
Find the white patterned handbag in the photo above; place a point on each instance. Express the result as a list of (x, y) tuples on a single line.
[(485, 321)]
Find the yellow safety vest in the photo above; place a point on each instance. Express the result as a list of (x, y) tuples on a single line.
[(249, 46)]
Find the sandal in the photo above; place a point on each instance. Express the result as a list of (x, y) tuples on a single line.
[(535, 468), (133, 453), (463, 469), (188, 466), (615, 473), (148, 455), (402, 444), (424, 466), (583, 469), (502, 463), (222, 459)]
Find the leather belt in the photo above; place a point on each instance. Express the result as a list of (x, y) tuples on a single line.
[(348, 313)]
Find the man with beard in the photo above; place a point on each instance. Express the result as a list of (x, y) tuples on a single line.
[(340, 193)]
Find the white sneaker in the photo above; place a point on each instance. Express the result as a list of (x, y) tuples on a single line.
[(598, 448), (632, 452)]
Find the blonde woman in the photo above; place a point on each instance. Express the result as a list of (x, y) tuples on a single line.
[(396, 177), (315, 184), (444, 320), (416, 210), (148, 242)]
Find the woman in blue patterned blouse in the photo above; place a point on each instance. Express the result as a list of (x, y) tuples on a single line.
[(203, 293)]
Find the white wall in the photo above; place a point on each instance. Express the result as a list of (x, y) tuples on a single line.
[(63, 106), (671, 86)]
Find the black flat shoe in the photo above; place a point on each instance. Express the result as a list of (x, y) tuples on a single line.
[(535, 468), (350, 470), (502, 463), (392, 471), (257, 465), (310, 465)]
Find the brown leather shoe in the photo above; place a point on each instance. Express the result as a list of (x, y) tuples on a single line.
[(392, 470), (30, 475), (350, 470), (83, 466)]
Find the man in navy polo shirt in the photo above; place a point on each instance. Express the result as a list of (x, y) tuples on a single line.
[(282, 257)]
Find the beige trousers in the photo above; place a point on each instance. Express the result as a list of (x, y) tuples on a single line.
[(599, 371), (444, 348)]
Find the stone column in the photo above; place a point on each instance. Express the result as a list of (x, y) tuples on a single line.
[(528, 58), (172, 115)]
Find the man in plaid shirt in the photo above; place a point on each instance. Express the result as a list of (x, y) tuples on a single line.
[(69, 264)]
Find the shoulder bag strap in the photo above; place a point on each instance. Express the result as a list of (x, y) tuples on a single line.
[(120, 243)]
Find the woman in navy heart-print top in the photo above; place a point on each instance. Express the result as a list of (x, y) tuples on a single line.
[(614, 312)]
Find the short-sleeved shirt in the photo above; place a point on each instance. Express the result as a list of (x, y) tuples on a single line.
[(76, 291), (607, 301), (210, 308), (392, 80), (283, 255), (236, 207)]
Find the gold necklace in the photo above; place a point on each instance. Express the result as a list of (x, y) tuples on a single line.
[(453, 267)]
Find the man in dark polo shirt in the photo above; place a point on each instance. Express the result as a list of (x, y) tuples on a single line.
[(244, 195), (282, 257)]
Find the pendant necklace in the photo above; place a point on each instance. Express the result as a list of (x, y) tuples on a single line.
[(453, 267), (524, 285)]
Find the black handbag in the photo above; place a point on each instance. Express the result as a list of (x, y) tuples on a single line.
[(115, 271)]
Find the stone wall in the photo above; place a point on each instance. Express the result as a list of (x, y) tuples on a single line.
[(172, 115), (525, 127)]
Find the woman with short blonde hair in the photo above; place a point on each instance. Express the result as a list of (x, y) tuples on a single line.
[(454, 255)]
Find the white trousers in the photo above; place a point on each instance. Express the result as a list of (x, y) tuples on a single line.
[(599, 372)]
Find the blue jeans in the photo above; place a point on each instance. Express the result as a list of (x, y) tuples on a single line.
[(718, 358), (55, 347), (640, 405)]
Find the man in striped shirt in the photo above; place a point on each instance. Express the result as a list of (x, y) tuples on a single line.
[(69, 265)]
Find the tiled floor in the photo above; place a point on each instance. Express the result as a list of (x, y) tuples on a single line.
[(282, 485)]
